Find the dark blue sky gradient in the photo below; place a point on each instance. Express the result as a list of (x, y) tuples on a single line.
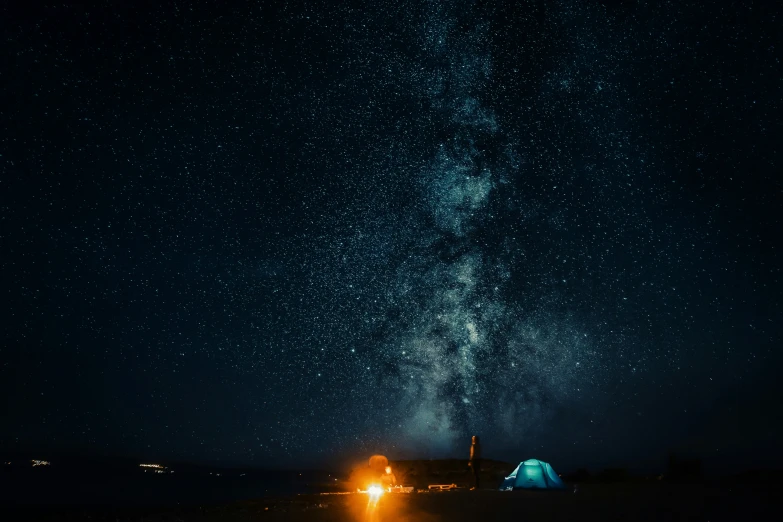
[(284, 233)]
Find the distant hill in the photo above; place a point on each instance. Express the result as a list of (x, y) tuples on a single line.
[(119, 466)]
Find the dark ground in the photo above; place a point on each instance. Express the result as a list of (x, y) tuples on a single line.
[(604, 502)]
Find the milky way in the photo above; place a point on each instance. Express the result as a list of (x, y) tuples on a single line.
[(288, 234), (472, 360), (462, 349)]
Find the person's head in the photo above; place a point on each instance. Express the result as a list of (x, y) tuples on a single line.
[(475, 439), (388, 470)]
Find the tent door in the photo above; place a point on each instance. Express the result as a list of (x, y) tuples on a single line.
[(534, 476)]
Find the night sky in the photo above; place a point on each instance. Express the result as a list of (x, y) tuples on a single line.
[(288, 233)]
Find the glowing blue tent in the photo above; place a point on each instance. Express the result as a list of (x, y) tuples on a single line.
[(532, 474)]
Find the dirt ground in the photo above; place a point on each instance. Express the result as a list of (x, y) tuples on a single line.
[(594, 502)]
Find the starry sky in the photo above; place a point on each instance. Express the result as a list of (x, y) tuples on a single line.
[(301, 232)]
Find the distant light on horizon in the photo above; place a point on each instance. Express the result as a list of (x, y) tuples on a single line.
[(156, 468)]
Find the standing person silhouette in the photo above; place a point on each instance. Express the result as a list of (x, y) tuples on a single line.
[(475, 459)]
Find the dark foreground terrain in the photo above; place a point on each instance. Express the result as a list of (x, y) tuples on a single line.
[(659, 501)]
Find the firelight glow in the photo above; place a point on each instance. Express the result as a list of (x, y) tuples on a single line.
[(375, 491)]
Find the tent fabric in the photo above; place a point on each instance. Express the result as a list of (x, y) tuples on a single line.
[(532, 474)]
